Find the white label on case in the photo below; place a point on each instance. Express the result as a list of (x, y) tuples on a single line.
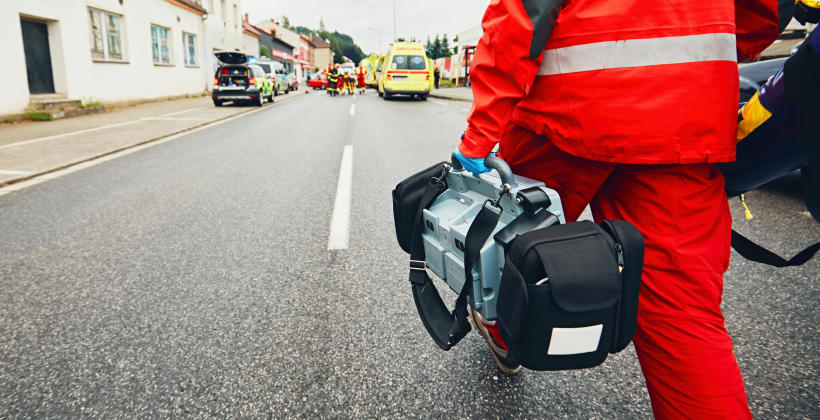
[(575, 340)]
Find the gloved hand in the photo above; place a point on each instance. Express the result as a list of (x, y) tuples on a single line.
[(474, 165)]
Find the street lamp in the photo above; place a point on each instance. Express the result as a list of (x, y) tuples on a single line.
[(394, 21)]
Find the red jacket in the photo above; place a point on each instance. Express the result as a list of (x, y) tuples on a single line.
[(640, 81)]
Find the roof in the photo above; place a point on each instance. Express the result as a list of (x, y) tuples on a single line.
[(250, 29), (190, 5), (318, 42)]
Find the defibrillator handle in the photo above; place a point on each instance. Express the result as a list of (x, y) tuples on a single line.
[(492, 162)]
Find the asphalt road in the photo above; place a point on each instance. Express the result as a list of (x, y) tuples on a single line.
[(193, 278)]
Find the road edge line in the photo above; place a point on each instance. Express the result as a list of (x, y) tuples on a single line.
[(18, 184)]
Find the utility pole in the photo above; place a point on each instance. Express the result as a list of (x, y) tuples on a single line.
[(394, 21)]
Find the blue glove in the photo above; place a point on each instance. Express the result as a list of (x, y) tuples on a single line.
[(474, 165)]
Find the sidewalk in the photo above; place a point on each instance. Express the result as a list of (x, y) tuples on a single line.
[(29, 149), (463, 94)]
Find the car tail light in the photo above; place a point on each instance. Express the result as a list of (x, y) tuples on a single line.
[(389, 77), (428, 77), (216, 81), (252, 81)]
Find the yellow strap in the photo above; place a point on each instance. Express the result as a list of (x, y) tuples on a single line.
[(746, 210), (754, 114), (810, 3)]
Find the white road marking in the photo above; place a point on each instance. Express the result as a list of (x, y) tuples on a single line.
[(58, 136), (7, 172), (80, 166), (352, 109), (340, 221), (448, 105), (175, 119), (184, 111), (150, 143), (89, 130)]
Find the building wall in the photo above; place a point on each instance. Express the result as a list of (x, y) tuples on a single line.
[(79, 76), (322, 57), (250, 45), (223, 31)]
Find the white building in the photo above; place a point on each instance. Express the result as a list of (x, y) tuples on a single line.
[(101, 50), (223, 31)]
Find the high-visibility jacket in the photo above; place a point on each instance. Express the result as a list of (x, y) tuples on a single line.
[(642, 81)]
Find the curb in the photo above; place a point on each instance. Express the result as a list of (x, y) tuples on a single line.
[(450, 98), (142, 143)]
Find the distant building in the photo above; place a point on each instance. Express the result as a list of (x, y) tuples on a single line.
[(250, 38), (280, 51), (321, 55), (301, 52), (103, 50)]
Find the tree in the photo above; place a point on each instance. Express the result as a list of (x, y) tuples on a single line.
[(322, 27), (264, 51), (286, 22), (429, 49), (437, 51), (445, 47)]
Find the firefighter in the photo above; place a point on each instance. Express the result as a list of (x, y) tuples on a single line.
[(332, 78), (583, 104), (361, 74)]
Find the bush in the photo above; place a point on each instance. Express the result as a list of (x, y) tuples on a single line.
[(9, 119), (39, 116)]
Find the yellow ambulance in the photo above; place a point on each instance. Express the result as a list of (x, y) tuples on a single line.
[(405, 71)]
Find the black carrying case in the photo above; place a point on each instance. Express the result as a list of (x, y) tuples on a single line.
[(569, 294)]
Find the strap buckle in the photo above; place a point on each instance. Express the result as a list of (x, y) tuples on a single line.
[(418, 265)]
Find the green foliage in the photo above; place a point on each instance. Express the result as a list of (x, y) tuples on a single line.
[(286, 22), (9, 119), (301, 30), (39, 116), (264, 51), (439, 48), (342, 46)]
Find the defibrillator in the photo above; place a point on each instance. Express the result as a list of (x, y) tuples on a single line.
[(565, 295)]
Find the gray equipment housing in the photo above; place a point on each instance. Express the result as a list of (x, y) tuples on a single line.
[(448, 219)]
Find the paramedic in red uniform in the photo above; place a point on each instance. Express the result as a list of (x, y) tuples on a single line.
[(625, 106)]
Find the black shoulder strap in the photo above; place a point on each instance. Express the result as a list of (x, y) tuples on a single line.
[(754, 252), (445, 327)]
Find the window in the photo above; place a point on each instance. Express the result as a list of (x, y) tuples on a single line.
[(409, 62), (106, 35), (161, 45), (189, 41)]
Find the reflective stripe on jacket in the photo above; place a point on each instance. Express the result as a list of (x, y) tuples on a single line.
[(637, 81)]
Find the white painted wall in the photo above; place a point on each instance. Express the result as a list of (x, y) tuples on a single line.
[(223, 32), (80, 77)]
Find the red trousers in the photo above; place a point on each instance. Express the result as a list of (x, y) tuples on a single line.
[(682, 344)]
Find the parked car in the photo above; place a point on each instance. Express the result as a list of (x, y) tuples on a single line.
[(318, 81), (281, 76), (293, 82), (238, 80), (268, 67), (754, 75)]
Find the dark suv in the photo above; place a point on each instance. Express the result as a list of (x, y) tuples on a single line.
[(238, 80)]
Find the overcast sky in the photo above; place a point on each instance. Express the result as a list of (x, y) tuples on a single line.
[(369, 20)]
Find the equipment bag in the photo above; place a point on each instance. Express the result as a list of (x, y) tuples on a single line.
[(569, 294)]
